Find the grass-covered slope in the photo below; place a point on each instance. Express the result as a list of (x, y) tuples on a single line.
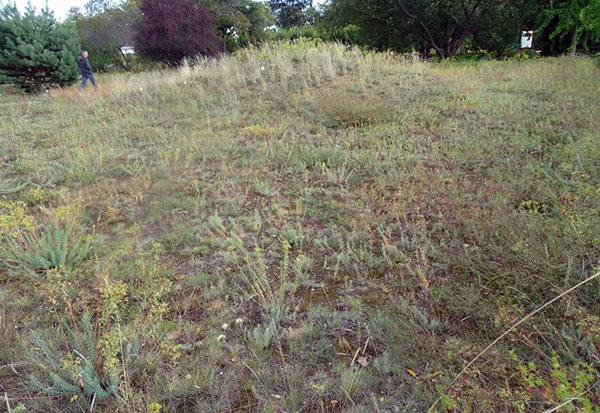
[(303, 228)]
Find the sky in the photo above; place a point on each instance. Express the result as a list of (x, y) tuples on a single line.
[(61, 7)]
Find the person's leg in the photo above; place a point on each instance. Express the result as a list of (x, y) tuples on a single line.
[(93, 80), (83, 82)]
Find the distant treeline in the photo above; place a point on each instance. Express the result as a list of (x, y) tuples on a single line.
[(37, 50), (434, 28)]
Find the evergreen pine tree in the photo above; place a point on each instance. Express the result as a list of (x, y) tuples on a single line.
[(35, 50)]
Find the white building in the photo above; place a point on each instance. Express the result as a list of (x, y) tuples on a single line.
[(127, 49)]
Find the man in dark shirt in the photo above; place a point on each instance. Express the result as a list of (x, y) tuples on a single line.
[(86, 70)]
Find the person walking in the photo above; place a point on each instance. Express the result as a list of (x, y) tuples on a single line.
[(86, 70)]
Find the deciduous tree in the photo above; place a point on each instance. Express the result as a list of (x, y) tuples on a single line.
[(443, 25), (172, 30), (241, 23), (579, 19), (290, 12)]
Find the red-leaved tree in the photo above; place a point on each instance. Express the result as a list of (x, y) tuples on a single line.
[(174, 29)]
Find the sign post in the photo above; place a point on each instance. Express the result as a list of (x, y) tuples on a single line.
[(527, 39)]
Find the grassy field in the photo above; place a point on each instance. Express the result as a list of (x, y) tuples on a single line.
[(303, 229)]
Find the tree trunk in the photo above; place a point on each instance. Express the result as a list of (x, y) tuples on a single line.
[(125, 64), (442, 52), (452, 47), (574, 41)]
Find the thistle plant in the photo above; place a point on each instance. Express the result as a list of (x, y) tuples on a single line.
[(75, 374), (49, 247), (9, 186)]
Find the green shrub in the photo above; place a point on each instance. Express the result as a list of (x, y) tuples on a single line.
[(573, 384), (298, 32)]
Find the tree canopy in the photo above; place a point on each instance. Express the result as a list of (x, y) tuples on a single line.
[(291, 12), (442, 25), (241, 23), (577, 19), (175, 29)]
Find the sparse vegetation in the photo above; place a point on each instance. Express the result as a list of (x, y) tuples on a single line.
[(304, 227)]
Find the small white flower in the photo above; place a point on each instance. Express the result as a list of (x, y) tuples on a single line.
[(225, 326), (262, 68), (239, 321), (188, 376), (141, 89), (222, 337)]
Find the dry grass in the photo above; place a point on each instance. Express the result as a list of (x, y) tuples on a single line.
[(310, 228)]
